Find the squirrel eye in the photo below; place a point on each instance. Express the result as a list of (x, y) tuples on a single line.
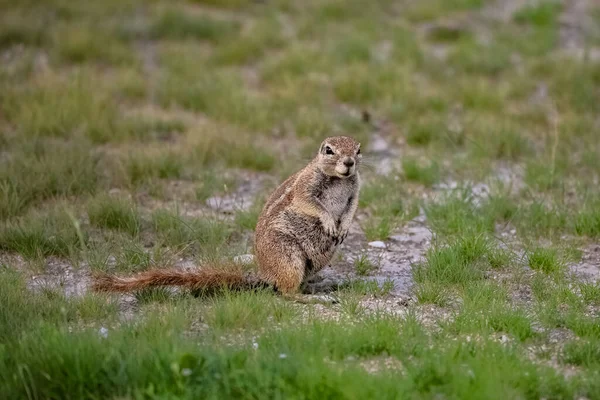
[(358, 152), (328, 150)]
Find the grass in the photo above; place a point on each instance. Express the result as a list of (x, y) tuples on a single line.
[(583, 353), (114, 213), (80, 44), (545, 260), (540, 15), (40, 234), (177, 24), (413, 171), (231, 311), (368, 287), (587, 222), (133, 257), (461, 262), (32, 108), (432, 293), (119, 121), (144, 167), (211, 182), (42, 170), (252, 46), (184, 367), (590, 292), (457, 213), (202, 234), (503, 144), (387, 207), (363, 265)]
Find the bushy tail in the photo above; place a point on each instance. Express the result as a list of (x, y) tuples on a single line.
[(203, 279)]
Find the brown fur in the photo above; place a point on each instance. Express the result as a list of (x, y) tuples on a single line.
[(298, 231), (197, 280)]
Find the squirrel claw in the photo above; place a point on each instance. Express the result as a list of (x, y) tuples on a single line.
[(330, 228), (343, 237)]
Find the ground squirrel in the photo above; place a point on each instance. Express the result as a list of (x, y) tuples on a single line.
[(300, 227)]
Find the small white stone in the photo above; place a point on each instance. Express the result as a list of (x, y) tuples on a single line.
[(244, 259), (103, 332), (255, 345), (378, 244), (283, 355), (186, 372)]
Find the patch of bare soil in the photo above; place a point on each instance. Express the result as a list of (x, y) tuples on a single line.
[(384, 156), (394, 261), (242, 197), (589, 265), (59, 274), (576, 27)]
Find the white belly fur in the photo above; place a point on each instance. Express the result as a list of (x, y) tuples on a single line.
[(335, 199)]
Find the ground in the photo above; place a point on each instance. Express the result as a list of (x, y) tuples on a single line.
[(141, 134)]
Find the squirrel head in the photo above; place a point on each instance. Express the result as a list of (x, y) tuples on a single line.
[(339, 156)]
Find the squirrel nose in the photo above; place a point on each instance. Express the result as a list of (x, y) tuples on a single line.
[(348, 162)]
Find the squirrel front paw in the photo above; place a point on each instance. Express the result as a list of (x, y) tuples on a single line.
[(329, 226)]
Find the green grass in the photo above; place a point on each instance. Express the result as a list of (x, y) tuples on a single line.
[(40, 234), (119, 120), (41, 170), (231, 311), (114, 213), (32, 109), (133, 257), (432, 293), (387, 207), (471, 56), (204, 234), (20, 28), (368, 287), (545, 260), (45, 307), (485, 308), (178, 24), (456, 213), (426, 131), (252, 46), (462, 262), (284, 361), (80, 44), (590, 292), (583, 353), (143, 167), (587, 222), (539, 219), (503, 144), (363, 265), (430, 10), (413, 171), (543, 14)]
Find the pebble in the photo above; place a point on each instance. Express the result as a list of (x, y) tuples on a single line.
[(103, 332), (244, 259), (378, 244)]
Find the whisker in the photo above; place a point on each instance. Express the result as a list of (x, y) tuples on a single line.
[(369, 167)]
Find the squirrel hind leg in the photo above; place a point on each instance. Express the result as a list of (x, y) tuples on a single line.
[(281, 261)]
